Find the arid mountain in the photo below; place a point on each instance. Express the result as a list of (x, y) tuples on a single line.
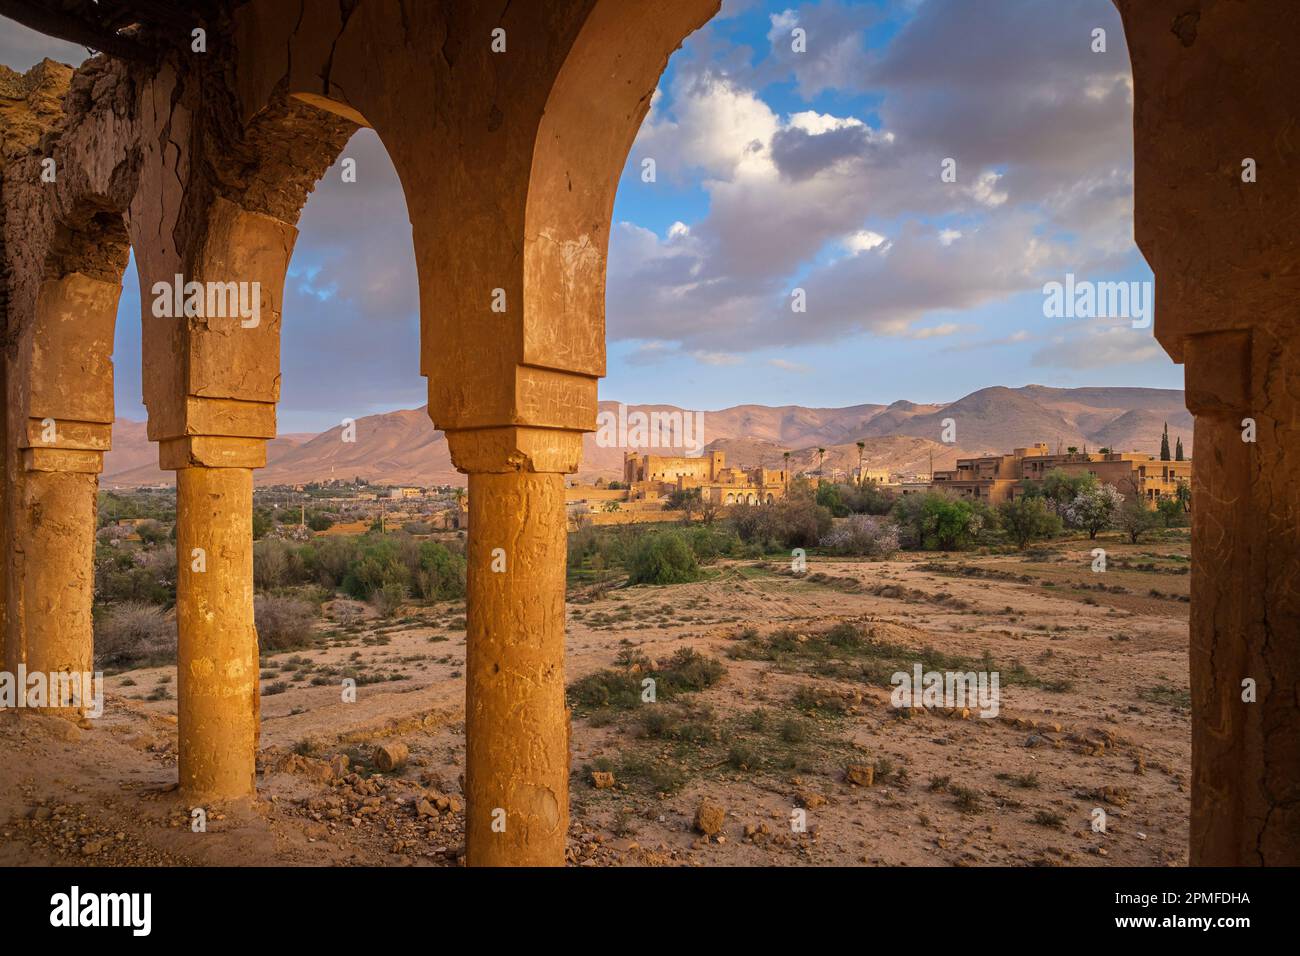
[(403, 447)]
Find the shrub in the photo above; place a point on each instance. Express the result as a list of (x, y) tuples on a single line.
[(437, 573), (663, 557), (270, 562), (151, 532), (1135, 520), (936, 520), (794, 522), (1059, 488), (1024, 519), (141, 576), (283, 622), (865, 535), (135, 634), (388, 599)]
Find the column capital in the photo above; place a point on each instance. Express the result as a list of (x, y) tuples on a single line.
[(75, 461), (1218, 379), (211, 451), (515, 448)]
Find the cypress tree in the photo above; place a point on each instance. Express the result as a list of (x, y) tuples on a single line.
[(1164, 444), (1178, 450)]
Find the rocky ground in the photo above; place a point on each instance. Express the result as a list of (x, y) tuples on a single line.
[(775, 742)]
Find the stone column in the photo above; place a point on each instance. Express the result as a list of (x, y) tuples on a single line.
[(516, 721), (1224, 758), (51, 570), (217, 656)]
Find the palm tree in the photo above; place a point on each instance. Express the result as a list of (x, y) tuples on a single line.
[(821, 457), (786, 457), (861, 447)]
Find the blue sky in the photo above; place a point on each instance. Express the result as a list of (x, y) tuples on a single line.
[(778, 170)]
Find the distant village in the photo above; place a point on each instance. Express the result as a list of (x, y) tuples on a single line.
[(664, 488), (658, 488)]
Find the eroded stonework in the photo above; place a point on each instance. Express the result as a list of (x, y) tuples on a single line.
[(201, 163)]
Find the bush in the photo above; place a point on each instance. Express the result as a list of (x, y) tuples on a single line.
[(1059, 488), (865, 535), (151, 532), (147, 577), (936, 520), (794, 522), (270, 562), (437, 574), (1135, 520), (135, 634), (1171, 511), (389, 598), (663, 557), (283, 622), (1024, 519)]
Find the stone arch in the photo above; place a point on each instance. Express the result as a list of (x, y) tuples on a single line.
[(65, 247), (212, 381), (59, 419)]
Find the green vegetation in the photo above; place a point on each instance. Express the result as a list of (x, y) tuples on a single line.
[(622, 688), (1028, 519), (937, 521), (846, 651)]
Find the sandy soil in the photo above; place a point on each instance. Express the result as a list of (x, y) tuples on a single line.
[(1099, 719)]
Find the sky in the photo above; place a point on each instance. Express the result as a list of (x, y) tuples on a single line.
[(778, 170)]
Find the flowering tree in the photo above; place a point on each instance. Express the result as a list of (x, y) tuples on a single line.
[(1094, 509)]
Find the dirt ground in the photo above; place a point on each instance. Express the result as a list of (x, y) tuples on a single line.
[(1093, 719)]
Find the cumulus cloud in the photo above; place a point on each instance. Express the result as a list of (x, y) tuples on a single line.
[(851, 208), (350, 334), (1097, 344)]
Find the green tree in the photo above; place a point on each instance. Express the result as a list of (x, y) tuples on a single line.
[(1026, 519), (663, 557), (1164, 444), (1135, 520), (1178, 450), (1171, 512), (951, 523), (262, 524), (1183, 494), (830, 498), (684, 499), (935, 520), (1058, 487)]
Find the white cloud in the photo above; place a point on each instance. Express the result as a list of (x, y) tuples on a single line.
[(717, 358), (1045, 152), (1097, 344), (938, 331), (864, 240), (787, 366)]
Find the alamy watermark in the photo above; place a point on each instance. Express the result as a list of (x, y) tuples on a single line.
[(1084, 299), (951, 689), (637, 429), (212, 300), (60, 689)]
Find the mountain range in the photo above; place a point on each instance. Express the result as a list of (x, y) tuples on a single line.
[(403, 448)]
